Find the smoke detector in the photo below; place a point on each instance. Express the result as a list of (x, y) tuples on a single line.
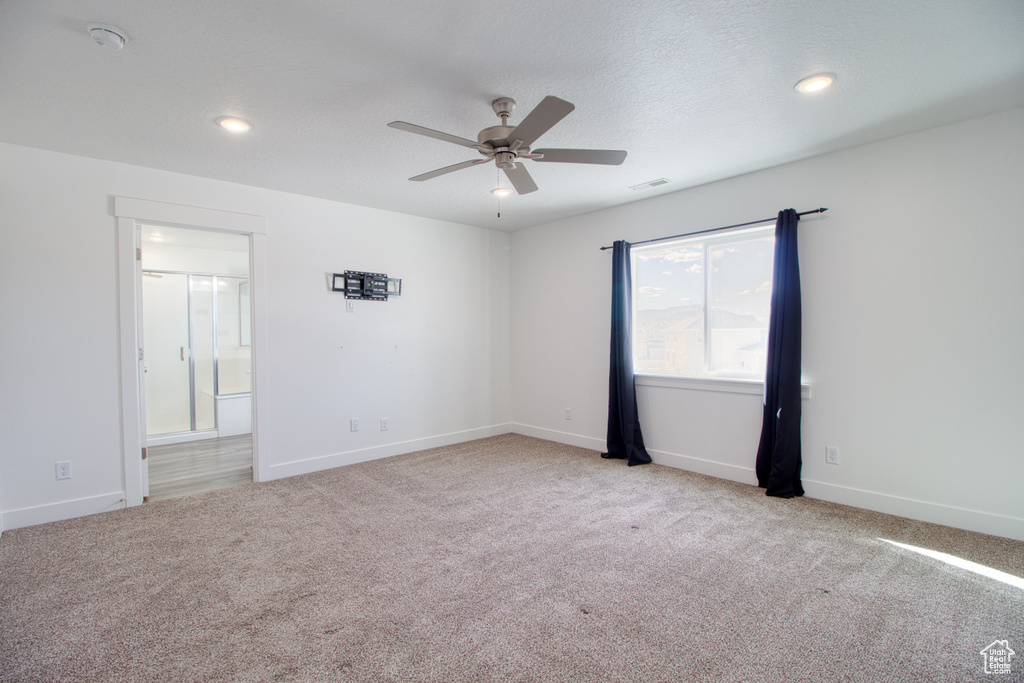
[(106, 36)]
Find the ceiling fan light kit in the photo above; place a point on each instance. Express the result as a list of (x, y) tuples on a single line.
[(505, 144)]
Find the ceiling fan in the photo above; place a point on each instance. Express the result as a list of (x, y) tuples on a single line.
[(504, 143)]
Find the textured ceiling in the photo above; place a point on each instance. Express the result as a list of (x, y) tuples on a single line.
[(694, 90)]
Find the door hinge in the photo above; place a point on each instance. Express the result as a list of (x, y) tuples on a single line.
[(145, 452), (142, 355), (138, 253)]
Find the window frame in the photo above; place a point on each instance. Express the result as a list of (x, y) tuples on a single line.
[(731, 382)]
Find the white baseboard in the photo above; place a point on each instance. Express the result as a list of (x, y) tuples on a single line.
[(325, 462), (54, 512), (743, 475), (682, 462), (182, 437), (935, 513), (559, 437), (720, 470)]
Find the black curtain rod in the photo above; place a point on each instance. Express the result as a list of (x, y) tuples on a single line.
[(724, 227)]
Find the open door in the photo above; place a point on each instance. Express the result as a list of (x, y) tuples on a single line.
[(140, 370), (168, 353)]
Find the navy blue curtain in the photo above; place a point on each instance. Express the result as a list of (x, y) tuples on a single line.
[(778, 453), (624, 438)]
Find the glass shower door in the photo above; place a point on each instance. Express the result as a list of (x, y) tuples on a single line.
[(178, 324), (203, 352)]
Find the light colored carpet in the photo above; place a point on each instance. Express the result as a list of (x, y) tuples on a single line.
[(505, 559)]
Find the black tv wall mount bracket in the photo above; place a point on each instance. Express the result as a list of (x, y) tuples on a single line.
[(357, 284)]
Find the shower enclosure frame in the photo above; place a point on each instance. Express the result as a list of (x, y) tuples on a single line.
[(190, 289)]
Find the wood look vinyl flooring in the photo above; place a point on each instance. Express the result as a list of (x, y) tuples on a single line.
[(182, 469)]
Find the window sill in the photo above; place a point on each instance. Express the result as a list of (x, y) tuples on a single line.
[(728, 386)]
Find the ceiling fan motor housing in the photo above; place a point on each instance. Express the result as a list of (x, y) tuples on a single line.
[(495, 136)]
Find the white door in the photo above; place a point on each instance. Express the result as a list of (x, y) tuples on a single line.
[(165, 337)]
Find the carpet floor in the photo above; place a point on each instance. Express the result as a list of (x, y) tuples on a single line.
[(504, 559)]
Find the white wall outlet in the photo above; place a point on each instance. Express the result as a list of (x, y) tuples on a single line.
[(353, 424), (832, 455), (384, 424), (64, 470), (568, 413), (350, 306)]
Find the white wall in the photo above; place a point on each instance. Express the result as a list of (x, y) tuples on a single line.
[(912, 313), (913, 322), (434, 361), (194, 259)]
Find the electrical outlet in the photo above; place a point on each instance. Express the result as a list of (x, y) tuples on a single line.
[(384, 424), (568, 413), (831, 455), (64, 470), (350, 306), (353, 424)]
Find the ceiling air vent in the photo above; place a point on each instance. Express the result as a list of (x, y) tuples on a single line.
[(649, 184)]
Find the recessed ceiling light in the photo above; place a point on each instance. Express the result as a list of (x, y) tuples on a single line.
[(156, 237), (816, 82), (235, 125), (501, 192)]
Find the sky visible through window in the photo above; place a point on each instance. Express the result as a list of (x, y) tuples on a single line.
[(674, 314)]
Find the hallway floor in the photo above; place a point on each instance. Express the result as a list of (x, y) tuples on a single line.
[(183, 469)]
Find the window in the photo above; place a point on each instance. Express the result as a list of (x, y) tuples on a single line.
[(701, 306)]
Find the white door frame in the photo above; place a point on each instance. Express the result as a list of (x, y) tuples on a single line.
[(130, 213)]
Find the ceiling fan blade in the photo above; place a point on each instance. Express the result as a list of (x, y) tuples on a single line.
[(550, 111), (448, 169), (521, 179), (611, 157), (437, 135)]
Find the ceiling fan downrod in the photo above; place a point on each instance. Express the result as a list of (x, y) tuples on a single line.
[(503, 107)]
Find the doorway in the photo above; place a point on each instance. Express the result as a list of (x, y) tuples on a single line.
[(131, 213), (197, 362)]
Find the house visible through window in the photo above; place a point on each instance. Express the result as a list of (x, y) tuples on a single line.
[(701, 306)]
